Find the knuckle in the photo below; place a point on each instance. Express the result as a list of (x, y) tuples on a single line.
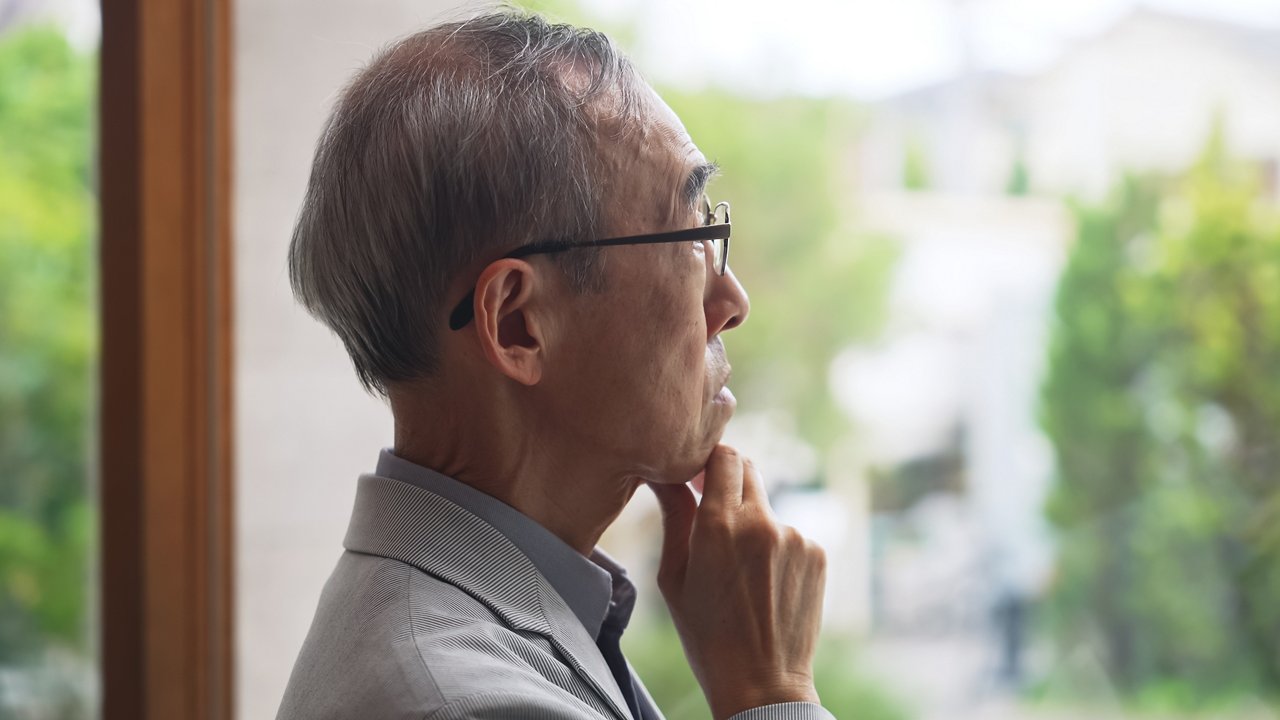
[(793, 537), (766, 535), (816, 554), (716, 523)]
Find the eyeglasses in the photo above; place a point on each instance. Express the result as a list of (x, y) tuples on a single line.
[(712, 228)]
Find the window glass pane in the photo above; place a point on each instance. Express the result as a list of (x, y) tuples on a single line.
[(1011, 359), (48, 353)]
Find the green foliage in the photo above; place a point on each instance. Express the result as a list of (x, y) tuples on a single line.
[(653, 647), (915, 165), (1162, 402), (1019, 177), (846, 689), (47, 340)]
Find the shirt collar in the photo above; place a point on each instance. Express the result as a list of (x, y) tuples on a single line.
[(622, 600), (594, 588)]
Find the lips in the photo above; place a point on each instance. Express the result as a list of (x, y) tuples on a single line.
[(724, 396)]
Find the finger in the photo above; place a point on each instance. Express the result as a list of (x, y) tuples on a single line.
[(754, 492), (722, 480), (678, 510)]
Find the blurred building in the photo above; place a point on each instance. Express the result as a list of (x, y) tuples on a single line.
[(945, 404), (1144, 94)]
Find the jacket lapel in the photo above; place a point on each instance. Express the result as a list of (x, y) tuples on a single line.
[(415, 526), (573, 641)]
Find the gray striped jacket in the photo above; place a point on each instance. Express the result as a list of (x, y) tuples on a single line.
[(433, 614)]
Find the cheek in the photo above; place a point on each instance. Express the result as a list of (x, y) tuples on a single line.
[(685, 342), (660, 349), (684, 367)]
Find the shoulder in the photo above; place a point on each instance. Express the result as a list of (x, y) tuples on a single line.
[(390, 640), (355, 654)]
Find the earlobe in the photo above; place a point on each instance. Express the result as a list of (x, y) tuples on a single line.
[(508, 324)]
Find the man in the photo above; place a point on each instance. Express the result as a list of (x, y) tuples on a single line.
[(508, 230)]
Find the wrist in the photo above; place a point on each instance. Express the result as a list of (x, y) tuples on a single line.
[(745, 695)]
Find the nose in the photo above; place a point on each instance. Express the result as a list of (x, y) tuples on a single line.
[(726, 305)]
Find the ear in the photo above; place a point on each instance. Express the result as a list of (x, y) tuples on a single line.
[(509, 325)]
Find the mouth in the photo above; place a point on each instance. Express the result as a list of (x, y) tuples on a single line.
[(716, 360), (724, 396)]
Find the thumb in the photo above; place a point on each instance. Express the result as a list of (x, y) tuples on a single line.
[(678, 510)]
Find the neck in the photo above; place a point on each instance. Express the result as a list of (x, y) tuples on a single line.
[(518, 462)]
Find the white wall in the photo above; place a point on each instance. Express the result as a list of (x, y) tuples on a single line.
[(304, 429), (1145, 96)]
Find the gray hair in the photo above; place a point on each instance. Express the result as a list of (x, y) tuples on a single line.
[(450, 145)]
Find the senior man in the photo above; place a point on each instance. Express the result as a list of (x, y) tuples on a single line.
[(508, 230)]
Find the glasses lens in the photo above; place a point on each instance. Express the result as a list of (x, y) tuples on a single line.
[(705, 213)]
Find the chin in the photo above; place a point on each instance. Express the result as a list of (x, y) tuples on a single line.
[(692, 457), (698, 458), (681, 470)]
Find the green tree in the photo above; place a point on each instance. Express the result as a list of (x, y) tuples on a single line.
[(47, 340), (1162, 402)]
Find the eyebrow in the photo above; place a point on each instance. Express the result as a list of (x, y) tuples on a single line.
[(696, 183)]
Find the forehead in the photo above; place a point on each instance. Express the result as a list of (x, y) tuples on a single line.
[(653, 165), (661, 112), (666, 130)]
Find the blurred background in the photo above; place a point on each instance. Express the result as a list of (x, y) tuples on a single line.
[(1013, 356)]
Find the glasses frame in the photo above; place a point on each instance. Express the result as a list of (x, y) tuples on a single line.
[(462, 313)]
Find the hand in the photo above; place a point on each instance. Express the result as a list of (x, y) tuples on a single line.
[(744, 590)]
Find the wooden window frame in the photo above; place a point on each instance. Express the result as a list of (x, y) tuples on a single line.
[(165, 455)]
